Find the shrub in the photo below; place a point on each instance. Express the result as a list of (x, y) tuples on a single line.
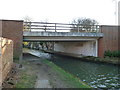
[(112, 53)]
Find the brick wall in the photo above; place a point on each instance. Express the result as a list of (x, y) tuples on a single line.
[(13, 29), (110, 39), (6, 57)]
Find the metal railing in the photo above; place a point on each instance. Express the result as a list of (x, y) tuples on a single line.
[(60, 27)]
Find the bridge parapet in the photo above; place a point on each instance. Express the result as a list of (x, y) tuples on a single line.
[(40, 31), (60, 27)]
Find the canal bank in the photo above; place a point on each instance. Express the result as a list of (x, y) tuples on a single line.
[(37, 72), (97, 75), (107, 60)]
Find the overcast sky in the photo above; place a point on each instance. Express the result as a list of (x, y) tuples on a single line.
[(60, 11)]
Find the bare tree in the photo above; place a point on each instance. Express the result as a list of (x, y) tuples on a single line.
[(83, 24), (27, 25)]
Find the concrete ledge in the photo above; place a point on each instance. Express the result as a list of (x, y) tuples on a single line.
[(76, 34), (58, 38)]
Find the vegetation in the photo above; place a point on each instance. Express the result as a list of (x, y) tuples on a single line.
[(27, 81), (38, 45), (110, 60), (112, 53), (27, 78), (27, 26), (84, 24), (66, 77)]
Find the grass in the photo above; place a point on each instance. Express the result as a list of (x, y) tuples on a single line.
[(66, 77), (26, 81), (26, 78)]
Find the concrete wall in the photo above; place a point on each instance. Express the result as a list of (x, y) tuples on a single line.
[(110, 40), (87, 48), (6, 58), (59, 36), (13, 29)]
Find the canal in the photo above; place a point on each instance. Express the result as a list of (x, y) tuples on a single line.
[(97, 75)]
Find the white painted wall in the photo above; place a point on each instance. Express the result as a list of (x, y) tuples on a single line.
[(87, 48)]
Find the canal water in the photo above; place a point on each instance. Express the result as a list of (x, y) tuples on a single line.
[(97, 75)]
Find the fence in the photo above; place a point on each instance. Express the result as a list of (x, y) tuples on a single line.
[(6, 57), (60, 27)]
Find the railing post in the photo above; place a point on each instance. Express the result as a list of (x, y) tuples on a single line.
[(97, 28), (45, 28), (78, 28), (55, 27), (100, 29), (30, 26)]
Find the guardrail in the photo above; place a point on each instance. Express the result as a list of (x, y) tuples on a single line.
[(60, 27)]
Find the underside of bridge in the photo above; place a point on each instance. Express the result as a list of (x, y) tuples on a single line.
[(83, 48), (85, 44)]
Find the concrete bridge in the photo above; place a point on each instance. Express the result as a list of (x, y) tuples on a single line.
[(86, 37), (87, 40), (68, 42), (41, 31), (60, 36)]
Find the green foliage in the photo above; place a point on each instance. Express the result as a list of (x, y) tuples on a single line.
[(112, 53), (26, 81), (27, 78)]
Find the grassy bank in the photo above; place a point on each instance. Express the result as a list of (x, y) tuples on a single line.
[(26, 78), (65, 76), (27, 75)]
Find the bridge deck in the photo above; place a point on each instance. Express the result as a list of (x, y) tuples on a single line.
[(60, 36)]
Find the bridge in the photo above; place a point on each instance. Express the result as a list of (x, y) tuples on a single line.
[(41, 31), (90, 40), (70, 36)]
